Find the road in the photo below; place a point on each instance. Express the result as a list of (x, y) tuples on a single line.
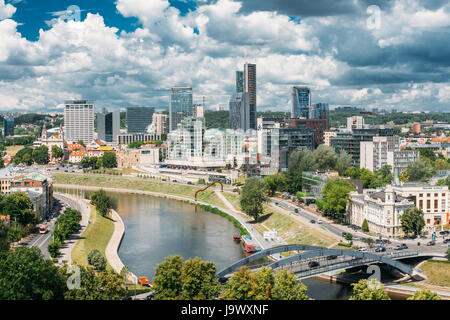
[(42, 240), (338, 230)]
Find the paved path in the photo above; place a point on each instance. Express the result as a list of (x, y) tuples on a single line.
[(82, 206)]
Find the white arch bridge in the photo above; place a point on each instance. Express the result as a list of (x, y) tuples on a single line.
[(326, 260)]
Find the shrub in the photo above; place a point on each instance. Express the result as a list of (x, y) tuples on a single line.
[(96, 259), (365, 226)]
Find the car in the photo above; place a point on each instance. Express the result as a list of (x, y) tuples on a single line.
[(313, 221), (332, 257), (127, 298), (386, 241), (380, 249), (190, 183), (362, 250), (151, 296), (313, 264), (276, 203), (401, 247), (446, 241), (344, 234), (320, 221), (379, 241), (431, 243), (296, 210)]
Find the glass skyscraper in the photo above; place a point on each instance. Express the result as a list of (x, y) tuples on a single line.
[(139, 118), (301, 103), (8, 127), (250, 89), (108, 125), (180, 105), (239, 81)]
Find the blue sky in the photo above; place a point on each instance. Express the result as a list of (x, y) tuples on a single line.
[(371, 54)]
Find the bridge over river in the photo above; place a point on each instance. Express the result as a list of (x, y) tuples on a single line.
[(312, 260)]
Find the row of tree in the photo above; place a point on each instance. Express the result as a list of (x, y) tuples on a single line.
[(67, 224), (108, 160)]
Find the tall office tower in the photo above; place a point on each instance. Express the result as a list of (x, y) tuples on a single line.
[(108, 125), (250, 89), (79, 120), (239, 111), (321, 111), (8, 127), (198, 111), (139, 118), (159, 123), (239, 81), (301, 102), (180, 105)]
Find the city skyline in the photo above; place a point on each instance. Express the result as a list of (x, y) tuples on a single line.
[(130, 53)]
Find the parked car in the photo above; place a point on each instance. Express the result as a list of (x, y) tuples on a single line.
[(379, 241), (313, 221), (320, 221), (380, 249), (344, 234), (386, 241), (362, 250), (296, 210), (446, 241), (332, 257), (431, 243), (313, 264)]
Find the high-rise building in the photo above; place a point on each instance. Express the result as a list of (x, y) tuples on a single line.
[(108, 125), (301, 102), (239, 81), (159, 124), (355, 122), (79, 120), (198, 111), (8, 127), (180, 105), (321, 111), (250, 89), (139, 118), (239, 111)]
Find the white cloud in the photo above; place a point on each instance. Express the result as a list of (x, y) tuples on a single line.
[(6, 10)]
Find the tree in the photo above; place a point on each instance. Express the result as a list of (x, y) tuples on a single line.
[(26, 275), (81, 142), (109, 160), (239, 287), (425, 294), (168, 278), (299, 161), (420, 170), (275, 182), (412, 221), (253, 197), (385, 174), (24, 156), (288, 288), (343, 162), (369, 290), (96, 259), (335, 195), (18, 205), (325, 157), (262, 284), (427, 153), (348, 237), (104, 285), (40, 155), (102, 202), (235, 164), (199, 281), (57, 152), (365, 226)]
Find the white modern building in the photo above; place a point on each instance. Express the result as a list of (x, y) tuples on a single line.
[(355, 122), (79, 120), (383, 151)]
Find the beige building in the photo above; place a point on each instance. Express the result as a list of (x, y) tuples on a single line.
[(382, 208), (5, 181), (160, 123), (127, 158), (327, 135)]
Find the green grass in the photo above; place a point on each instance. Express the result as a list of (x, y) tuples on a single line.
[(438, 272), (96, 236), (208, 196)]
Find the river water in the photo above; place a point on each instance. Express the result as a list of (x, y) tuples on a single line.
[(156, 228)]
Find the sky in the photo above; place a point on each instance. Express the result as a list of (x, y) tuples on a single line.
[(389, 54)]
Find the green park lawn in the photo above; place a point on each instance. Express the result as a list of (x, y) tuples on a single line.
[(208, 196), (96, 236), (438, 272)]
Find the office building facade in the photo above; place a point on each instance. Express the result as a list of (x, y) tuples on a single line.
[(250, 89), (160, 124), (301, 102), (8, 127), (79, 120), (180, 105), (239, 111), (139, 118), (108, 125)]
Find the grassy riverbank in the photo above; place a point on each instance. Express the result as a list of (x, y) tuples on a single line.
[(96, 236), (138, 184), (289, 229)]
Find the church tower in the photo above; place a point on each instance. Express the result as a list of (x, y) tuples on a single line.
[(44, 133)]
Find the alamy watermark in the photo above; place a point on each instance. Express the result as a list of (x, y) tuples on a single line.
[(374, 19)]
